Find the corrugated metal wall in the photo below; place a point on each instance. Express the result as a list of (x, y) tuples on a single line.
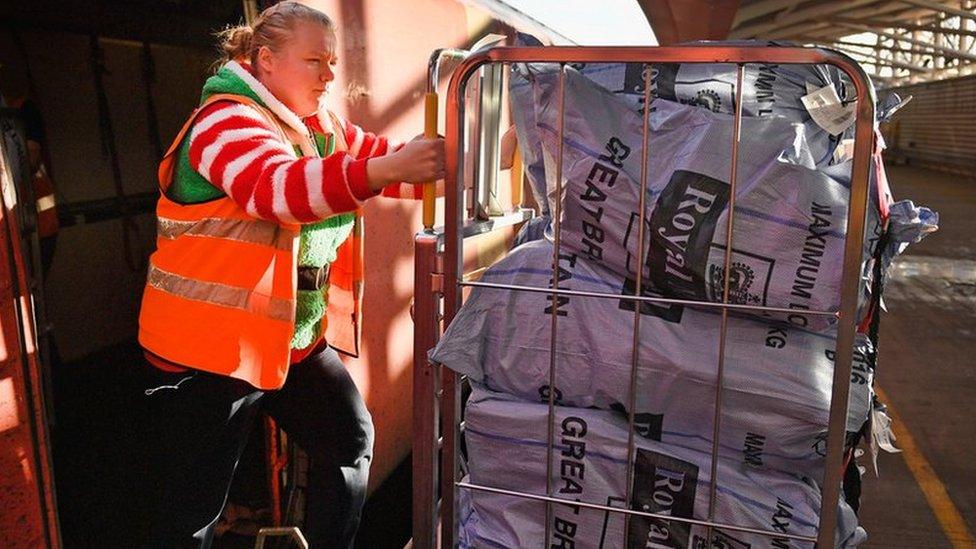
[(938, 128)]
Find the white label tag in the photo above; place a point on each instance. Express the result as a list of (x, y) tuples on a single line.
[(882, 437), (827, 111)]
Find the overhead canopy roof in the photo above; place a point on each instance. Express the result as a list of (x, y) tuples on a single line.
[(825, 20), (898, 41)]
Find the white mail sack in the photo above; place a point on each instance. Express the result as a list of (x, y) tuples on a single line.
[(507, 439), (790, 219), (776, 380), (769, 90)]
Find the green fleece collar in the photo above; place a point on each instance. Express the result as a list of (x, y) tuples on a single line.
[(236, 79)]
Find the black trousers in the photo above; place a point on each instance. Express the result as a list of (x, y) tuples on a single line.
[(197, 427)]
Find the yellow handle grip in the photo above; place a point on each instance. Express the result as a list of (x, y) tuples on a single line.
[(430, 131), (516, 174)]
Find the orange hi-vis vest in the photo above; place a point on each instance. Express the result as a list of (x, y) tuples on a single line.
[(221, 286)]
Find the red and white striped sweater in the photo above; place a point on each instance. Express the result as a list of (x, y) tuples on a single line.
[(232, 147)]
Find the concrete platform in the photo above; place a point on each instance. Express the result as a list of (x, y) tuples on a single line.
[(926, 496)]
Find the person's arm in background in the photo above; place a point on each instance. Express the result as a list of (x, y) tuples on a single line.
[(34, 130)]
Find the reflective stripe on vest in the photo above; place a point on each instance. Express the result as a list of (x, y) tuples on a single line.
[(223, 295), (255, 231), (343, 323), (45, 203)]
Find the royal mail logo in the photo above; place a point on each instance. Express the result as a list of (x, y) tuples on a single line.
[(710, 99), (670, 312), (678, 237), (711, 87), (635, 75), (647, 425), (681, 229), (749, 276), (720, 540), (663, 485)]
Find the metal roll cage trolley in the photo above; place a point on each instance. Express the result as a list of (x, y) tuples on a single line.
[(439, 281)]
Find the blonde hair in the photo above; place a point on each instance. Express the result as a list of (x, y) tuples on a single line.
[(272, 29)]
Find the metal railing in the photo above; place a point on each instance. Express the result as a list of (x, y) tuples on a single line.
[(439, 282)]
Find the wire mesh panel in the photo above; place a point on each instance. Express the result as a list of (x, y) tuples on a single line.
[(643, 485)]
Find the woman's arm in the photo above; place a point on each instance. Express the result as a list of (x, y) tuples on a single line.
[(232, 147), (418, 160), (400, 189), (422, 155)]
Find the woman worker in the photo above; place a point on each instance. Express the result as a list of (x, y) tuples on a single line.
[(256, 242)]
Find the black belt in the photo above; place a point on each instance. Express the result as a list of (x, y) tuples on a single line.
[(312, 278)]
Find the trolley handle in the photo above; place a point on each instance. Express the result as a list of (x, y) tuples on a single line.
[(431, 104), (430, 120)]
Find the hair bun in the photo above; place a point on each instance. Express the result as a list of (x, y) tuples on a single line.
[(270, 29), (235, 42)]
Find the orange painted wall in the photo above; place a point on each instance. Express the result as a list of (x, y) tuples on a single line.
[(383, 47)]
